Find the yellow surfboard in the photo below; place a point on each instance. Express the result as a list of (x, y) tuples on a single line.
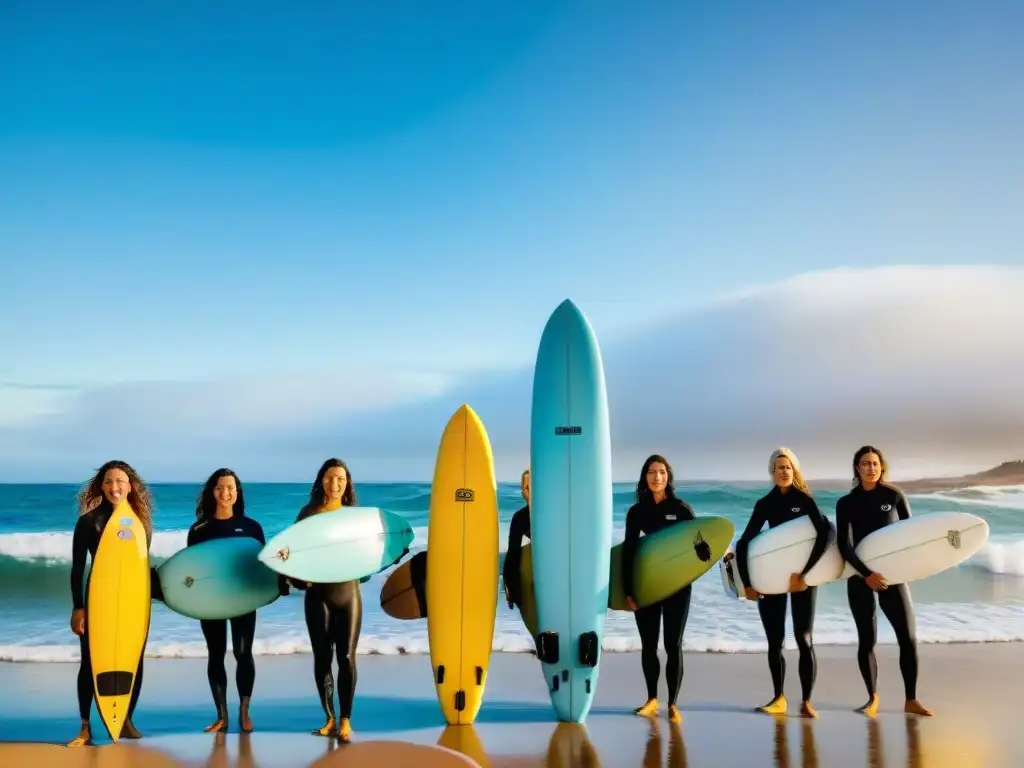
[(462, 580), (117, 614)]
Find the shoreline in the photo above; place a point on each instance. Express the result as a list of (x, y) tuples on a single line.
[(975, 721)]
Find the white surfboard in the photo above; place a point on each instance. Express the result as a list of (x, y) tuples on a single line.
[(905, 551), (776, 553), (921, 546)]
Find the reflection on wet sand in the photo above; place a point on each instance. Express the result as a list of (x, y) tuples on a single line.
[(808, 746), (219, 754), (464, 739), (676, 746)]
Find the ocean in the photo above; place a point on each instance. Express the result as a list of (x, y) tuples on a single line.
[(980, 601)]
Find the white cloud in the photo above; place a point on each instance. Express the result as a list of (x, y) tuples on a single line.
[(925, 362)]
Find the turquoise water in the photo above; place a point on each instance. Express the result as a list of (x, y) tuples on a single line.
[(982, 600)]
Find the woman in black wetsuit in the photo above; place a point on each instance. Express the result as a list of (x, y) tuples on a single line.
[(788, 500), (656, 508), (220, 514), (334, 612), (112, 482), (870, 506), (518, 530)]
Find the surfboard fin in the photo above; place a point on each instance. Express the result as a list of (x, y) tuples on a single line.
[(547, 647), (460, 701), (440, 674), (588, 649), (479, 675)]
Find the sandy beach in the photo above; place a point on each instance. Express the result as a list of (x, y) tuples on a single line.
[(970, 687)]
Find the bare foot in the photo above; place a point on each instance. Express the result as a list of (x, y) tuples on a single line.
[(914, 707), (345, 731), (806, 710), (220, 725), (674, 715), (649, 708), (871, 708), (129, 731), (243, 716), (84, 737), (776, 706), (329, 729)]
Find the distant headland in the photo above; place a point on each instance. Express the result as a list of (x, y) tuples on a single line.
[(1007, 473)]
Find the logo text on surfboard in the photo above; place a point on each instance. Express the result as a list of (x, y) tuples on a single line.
[(463, 494), (953, 537), (568, 431)]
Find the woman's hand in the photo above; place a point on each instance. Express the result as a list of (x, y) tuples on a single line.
[(877, 582), (78, 621), (797, 582), (508, 597), (631, 603), (751, 593)]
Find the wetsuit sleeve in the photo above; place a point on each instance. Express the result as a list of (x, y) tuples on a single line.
[(902, 506), (194, 536), (686, 511), (156, 592), (256, 531), (79, 553), (634, 524), (513, 556), (844, 539), (757, 520), (822, 528)]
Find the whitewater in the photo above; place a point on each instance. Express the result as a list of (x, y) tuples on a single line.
[(980, 601)]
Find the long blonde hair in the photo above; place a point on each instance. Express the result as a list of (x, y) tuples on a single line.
[(798, 477)]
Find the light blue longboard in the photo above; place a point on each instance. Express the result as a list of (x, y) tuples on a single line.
[(571, 509), (218, 579)]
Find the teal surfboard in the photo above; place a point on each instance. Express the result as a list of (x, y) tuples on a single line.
[(571, 509), (347, 544), (218, 579)]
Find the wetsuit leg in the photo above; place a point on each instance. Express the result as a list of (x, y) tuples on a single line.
[(243, 632), (862, 606), (318, 623), (802, 607), (85, 685), (676, 611), (772, 609), (648, 621), (347, 622), (898, 608), (216, 633)]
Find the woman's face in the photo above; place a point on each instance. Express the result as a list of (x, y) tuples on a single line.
[(870, 467), (783, 472), (657, 477), (116, 486), (334, 483), (524, 486), (226, 492)]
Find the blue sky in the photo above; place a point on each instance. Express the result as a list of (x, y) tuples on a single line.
[(326, 212)]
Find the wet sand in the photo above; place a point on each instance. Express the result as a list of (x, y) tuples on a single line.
[(974, 690)]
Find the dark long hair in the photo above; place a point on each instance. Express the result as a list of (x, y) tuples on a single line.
[(643, 493), (317, 497), (860, 454), (91, 496), (206, 504)]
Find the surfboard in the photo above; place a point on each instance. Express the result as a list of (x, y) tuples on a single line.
[(217, 579), (464, 740), (394, 754), (462, 583), (571, 509), (404, 594), (117, 614), (777, 553), (921, 546), (346, 544)]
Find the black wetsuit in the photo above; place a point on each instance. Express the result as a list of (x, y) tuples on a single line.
[(243, 628), (84, 542), (334, 619), (859, 513), (647, 518), (777, 508), (518, 529)]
